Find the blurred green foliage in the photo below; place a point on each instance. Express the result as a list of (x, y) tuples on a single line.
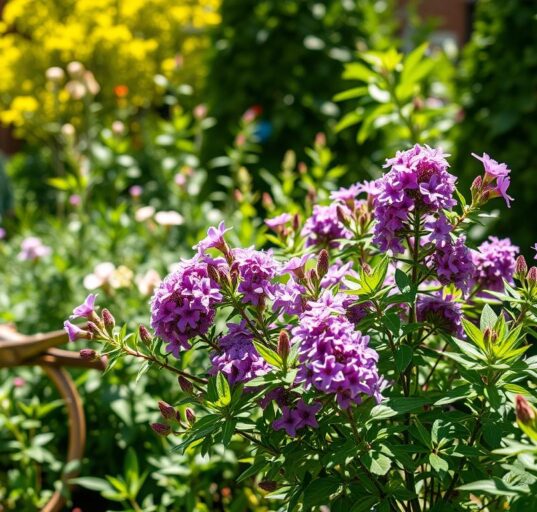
[(498, 92)]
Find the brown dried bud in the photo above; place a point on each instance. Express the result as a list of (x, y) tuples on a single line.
[(283, 344), (521, 268), (525, 413), (268, 485), (296, 222), (161, 429), (88, 354), (322, 263), (532, 276), (367, 269), (168, 411), (108, 320), (145, 335), (185, 384), (320, 139), (314, 277), (477, 184), (302, 168)]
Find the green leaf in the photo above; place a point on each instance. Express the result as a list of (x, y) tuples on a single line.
[(358, 71), (92, 483), (382, 412), (319, 491), (377, 463), (495, 487), (403, 357), (402, 405), (269, 355), (222, 389), (437, 463), (488, 318), (473, 333)]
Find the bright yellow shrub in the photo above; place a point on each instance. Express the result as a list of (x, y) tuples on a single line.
[(122, 42)]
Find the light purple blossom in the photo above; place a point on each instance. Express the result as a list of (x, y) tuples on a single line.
[(418, 182), (492, 167), (334, 357), (323, 228), (33, 249), (441, 311), (183, 305), (279, 221), (214, 239), (288, 297), (86, 309), (346, 195), (494, 262), (73, 331), (453, 264), (256, 269), (238, 358), (2, 233), (296, 265)]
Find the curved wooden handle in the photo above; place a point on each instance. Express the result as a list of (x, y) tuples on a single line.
[(77, 427), (16, 348)]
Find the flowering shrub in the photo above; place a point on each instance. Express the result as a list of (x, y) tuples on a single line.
[(374, 362)]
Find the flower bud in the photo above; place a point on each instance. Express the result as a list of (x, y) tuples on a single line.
[(342, 216), (476, 184), (521, 268), (367, 269), (88, 354), (266, 201), (185, 384), (212, 270), (320, 139), (190, 416), (322, 263), (314, 277), (75, 69), (108, 319), (92, 328), (168, 411), (525, 413), (302, 168), (532, 276), (145, 335), (118, 128), (283, 344), (161, 429), (296, 222), (268, 485)]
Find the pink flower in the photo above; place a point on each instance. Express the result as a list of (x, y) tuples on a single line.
[(73, 331), (214, 239), (493, 168), (278, 221)]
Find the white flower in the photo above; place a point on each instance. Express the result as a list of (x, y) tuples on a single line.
[(148, 282), (144, 213), (169, 218), (101, 275)]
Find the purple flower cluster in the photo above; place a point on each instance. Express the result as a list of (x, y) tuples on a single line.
[(303, 415), (183, 305), (494, 262), (453, 263), (442, 312), (288, 297), (238, 358), (417, 182), (256, 269), (335, 358), (323, 228)]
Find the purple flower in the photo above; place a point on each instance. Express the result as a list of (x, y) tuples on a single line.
[(214, 238), (439, 230), (86, 309), (334, 357), (183, 305), (2, 233), (287, 421), (494, 262), (33, 249), (73, 331), (288, 297), (493, 168), (337, 272), (306, 414), (442, 312), (502, 184), (324, 228), (256, 269), (453, 263), (296, 265), (279, 221), (303, 415), (346, 195), (418, 183), (238, 358)]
